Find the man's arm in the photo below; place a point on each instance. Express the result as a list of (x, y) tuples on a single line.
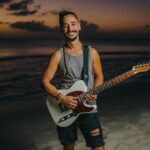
[(50, 72), (68, 101), (97, 68)]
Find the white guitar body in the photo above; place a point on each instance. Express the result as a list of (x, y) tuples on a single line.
[(63, 116)]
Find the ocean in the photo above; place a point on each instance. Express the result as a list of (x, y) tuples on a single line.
[(22, 98)]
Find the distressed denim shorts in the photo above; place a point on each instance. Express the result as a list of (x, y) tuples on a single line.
[(86, 123)]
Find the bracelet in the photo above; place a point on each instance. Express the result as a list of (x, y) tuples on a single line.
[(59, 100), (58, 97)]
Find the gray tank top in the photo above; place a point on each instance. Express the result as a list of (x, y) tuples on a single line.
[(71, 69)]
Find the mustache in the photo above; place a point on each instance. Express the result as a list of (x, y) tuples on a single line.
[(72, 31)]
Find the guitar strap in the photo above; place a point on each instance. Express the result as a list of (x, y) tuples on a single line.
[(85, 63)]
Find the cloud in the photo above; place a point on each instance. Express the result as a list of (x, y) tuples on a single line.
[(34, 26), (2, 2), (25, 12), (53, 12), (23, 4), (89, 30), (5, 1), (23, 8), (38, 28)]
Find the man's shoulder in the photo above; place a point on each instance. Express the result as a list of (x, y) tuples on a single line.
[(89, 47), (93, 50), (56, 53)]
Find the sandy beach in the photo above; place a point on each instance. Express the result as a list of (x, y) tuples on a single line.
[(125, 121)]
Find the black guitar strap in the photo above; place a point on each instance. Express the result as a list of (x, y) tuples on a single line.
[(85, 63)]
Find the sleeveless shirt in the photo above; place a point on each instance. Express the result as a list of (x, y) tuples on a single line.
[(71, 68)]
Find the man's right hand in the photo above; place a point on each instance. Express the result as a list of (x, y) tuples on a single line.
[(69, 101)]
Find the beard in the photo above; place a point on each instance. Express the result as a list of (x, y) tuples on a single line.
[(69, 38)]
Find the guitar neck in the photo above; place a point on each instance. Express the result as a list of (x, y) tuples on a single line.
[(112, 82)]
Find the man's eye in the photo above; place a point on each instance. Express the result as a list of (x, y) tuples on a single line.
[(64, 25)]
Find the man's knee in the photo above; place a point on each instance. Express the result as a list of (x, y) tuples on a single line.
[(95, 132)]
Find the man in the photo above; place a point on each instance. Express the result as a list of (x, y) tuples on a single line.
[(69, 61)]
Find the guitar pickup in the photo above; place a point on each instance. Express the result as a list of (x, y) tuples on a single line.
[(66, 117), (63, 108)]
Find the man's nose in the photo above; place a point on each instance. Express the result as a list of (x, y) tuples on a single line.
[(69, 28)]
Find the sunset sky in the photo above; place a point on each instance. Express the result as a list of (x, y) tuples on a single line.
[(39, 18)]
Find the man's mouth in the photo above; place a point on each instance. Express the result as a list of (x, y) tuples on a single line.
[(72, 32)]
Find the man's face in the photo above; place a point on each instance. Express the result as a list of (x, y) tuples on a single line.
[(71, 27)]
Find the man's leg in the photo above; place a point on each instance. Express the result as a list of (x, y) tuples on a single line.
[(96, 132), (68, 136), (91, 128)]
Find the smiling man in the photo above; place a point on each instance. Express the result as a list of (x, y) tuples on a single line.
[(68, 60)]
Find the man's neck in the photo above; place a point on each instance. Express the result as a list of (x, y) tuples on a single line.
[(74, 45)]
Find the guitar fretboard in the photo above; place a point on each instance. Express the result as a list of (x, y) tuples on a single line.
[(111, 82)]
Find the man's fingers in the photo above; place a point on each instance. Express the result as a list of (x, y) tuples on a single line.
[(91, 97), (73, 102)]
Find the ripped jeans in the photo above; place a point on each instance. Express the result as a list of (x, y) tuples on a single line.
[(90, 127)]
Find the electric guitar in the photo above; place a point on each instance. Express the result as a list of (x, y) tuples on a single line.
[(64, 117)]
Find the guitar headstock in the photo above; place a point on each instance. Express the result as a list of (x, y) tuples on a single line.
[(141, 67)]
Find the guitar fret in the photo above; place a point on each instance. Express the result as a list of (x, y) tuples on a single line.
[(96, 90), (100, 88), (110, 83), (93, 91), (114, 81), (105, 86)]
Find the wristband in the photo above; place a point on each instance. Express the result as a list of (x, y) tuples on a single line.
[(58, 97)]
